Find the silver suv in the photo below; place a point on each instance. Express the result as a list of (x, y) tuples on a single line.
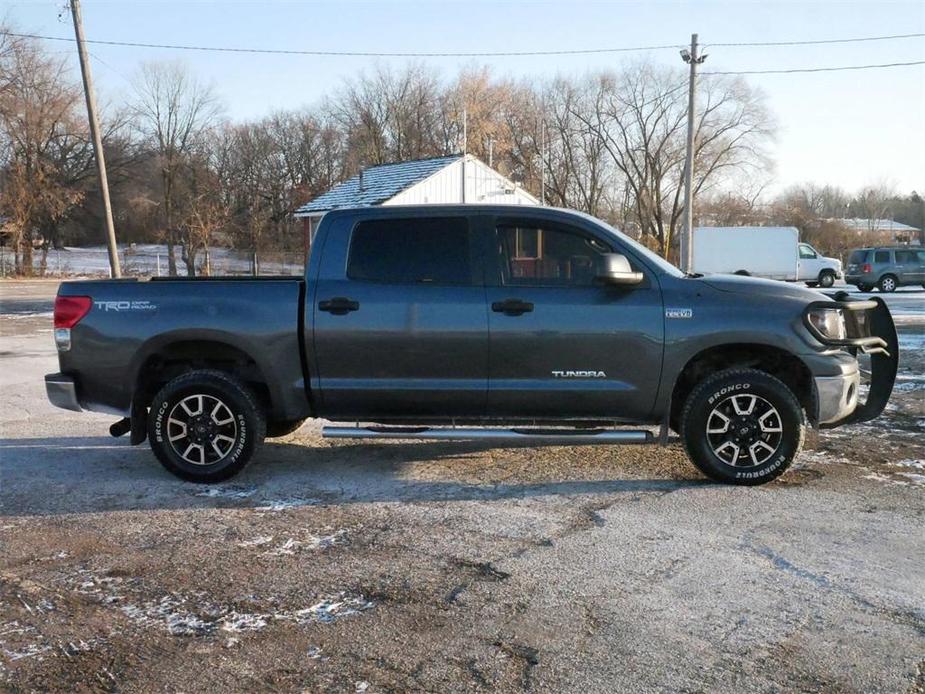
[(886, 268)]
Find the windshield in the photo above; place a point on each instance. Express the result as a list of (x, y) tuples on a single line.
[(650, 257)]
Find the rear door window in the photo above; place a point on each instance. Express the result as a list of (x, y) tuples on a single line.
[(906, 258), (882, 257), (411, 251)]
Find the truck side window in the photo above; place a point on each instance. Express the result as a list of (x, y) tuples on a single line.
[(410, 251), (806, 251), (534, 256), (882, 257)]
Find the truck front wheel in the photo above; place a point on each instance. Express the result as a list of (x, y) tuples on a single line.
[(205, 425), (742, 426), (826, 278)]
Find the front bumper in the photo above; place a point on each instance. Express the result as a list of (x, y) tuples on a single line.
[(870, 329), (62, 392), (836, 397)]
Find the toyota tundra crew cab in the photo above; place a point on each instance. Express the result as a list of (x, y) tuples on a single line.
[(498, 323)]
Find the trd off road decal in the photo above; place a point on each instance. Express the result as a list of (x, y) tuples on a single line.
[(679, 313), (125, 306)]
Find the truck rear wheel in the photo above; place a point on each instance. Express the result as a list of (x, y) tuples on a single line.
[(204, 426), (742, 426)]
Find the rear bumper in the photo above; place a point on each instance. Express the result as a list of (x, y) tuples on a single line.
[(62, 392)]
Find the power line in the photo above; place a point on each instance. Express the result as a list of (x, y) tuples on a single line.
[(360, 54), (814, 69), (468, 54), (818, 42)]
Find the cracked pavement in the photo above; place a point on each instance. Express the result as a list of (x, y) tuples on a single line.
[(401, 566)]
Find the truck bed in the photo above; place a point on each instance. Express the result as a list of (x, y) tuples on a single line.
[(130, 321)]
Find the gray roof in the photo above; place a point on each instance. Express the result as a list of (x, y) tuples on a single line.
[(379, 184), (874, 225)]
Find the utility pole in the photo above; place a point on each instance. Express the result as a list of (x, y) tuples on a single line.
[(693, 59), (114, 268)]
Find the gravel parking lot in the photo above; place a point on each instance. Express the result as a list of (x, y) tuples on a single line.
[(453, 567)]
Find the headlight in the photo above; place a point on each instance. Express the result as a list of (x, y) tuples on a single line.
[(830, 322)]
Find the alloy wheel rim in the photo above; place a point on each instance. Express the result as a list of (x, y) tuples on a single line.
[(888, 284), (202, 429), (744, 430)]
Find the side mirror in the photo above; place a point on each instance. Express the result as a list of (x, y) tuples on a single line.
[(614, 268)]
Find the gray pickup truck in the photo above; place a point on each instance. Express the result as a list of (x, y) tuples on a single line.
[(496, 323)]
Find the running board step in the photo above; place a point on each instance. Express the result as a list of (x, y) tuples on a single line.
[(536, 437)]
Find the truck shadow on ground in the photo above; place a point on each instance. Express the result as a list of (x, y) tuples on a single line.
[(52, 476)]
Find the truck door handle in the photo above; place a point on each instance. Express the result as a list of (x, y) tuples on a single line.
[(339, 305), (512, 307)]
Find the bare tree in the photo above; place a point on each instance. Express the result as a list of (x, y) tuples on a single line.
[(174, 110), (43, 150), (389, 115), (873, 202), (640, 115)]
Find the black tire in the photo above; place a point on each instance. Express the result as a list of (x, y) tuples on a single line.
[(812, 285), (887, 284), (708, 451), (227, 438), (826, 279), (864, 287), (283, 428)]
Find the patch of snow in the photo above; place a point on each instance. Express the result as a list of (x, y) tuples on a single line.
[(291, 546), (283, 504), (29, 651), (29, 314), (237, 621), (287, 548), (227, 492), (333, 608), (917, 463), (257, 541)]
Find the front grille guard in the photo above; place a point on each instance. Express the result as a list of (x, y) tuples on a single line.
[(870, 329)]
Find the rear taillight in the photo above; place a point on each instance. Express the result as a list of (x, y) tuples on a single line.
[(866, 268), (70, 309), (68, 312)]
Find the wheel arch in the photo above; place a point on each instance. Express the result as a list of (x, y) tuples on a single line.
[(169, 356), (769, 359)]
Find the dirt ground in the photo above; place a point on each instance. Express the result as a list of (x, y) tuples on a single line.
[(403, 566)]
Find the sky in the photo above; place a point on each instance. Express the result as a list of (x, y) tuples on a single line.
[(850, 129)]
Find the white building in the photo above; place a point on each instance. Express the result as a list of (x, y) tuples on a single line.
[(897, 232), (442, 180)]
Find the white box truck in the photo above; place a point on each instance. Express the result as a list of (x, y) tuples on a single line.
[(772, 252)]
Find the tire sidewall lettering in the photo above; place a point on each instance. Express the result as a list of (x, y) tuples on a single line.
[(728, 390)]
